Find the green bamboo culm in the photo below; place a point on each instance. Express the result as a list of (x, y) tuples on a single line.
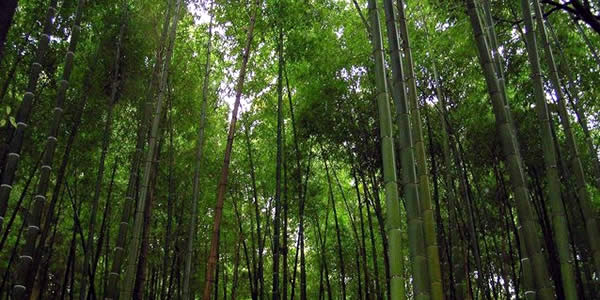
[(13, 148), (527, 283), (591, 224), (488, 21), (135, 242), (460, 286), (199, 156), (39, 200), (433, 256), (133, 178), (89, 267), (412, 187), (572, 92), (559, 219), (513, 161), (393, 220)]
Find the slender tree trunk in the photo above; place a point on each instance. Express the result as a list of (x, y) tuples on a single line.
[(104, 150), (258, 278), (441, 238), (363, 247), (42, 284), (105, 231), (559, 220), (591, 226), (118, 256), (18, 206), (13, 148), (33, 229), (284, 245), (378, 291), (455, 252), (322, 240), (11, 74), (60, 178), (141, 269), (526, 269), (277, 221), (7, 11), (170, 201), (198, 161), (301, 198), (236, 263), (70, 262), (382, 231), (337, 233), (429, 231), (212, 259), (513, 161), (134, 246), (354, 230), (572, 95), (418, 254), (242, 240)]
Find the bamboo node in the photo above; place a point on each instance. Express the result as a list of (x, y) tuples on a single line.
[(27, 257), (19, 287)]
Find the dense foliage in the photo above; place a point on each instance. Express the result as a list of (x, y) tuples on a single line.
[(299, 149)]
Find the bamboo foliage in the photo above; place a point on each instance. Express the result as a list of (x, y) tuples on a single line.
[(467, 216)]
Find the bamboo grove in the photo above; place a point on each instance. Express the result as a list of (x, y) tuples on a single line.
[(288, 149)]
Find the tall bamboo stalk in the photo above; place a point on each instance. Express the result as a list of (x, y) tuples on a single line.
[(198, 160), (459, 281), (337, 233), (432, 249), (277, 220), (512, 159), (389, 177), (559, 219), (591, 225), (100, 175), (214, 242), (132, 182), (135, 243), (13, 148), (39, 200)]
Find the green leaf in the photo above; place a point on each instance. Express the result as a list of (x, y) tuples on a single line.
[(12, 121)]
